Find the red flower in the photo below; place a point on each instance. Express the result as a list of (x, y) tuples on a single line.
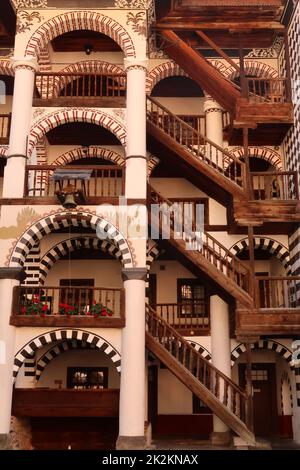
[(44, 308), (23, 310)]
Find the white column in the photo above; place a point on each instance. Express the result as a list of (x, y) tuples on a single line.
[(14, 174), (214, 121), (136, 155), (221, 355), (132, 389), (9, 278)]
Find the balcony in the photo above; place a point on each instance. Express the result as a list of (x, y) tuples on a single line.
[(275, 199), (188, 319), (84, 89), (94, 184), (5, 120), (278, 308), (95, 307), (40, 402)]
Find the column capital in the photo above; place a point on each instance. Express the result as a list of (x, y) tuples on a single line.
[(136, 64), (134, 274), (211, 106), (13, 273), (25, 63)]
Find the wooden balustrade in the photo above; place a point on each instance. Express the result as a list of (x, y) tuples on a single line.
[(104, 180), (202, 148), (271, 90), (79, 85), (206, 245), (90, 303), (185, 316), (5, 121), (281, 292), (281, 185), (197, 122), (222, 387)]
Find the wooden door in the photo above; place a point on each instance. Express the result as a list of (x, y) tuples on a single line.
[(152, 396), (264, 397), (152, 289)]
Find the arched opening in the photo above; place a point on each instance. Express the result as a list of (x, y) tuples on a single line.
[(272, 266), (270, 361), (74, 374), (82, 168), (184, 97), (6, 97)]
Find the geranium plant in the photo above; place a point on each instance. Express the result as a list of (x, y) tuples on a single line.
[(35, 306)]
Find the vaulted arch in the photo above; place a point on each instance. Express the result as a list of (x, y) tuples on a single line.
[(29, 349), (61, 220), (79, 20), (162, 71), (266, 344), (72, 244), (268, 244), (64, 116)]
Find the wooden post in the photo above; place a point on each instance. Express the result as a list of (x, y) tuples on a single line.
[(249, 410), (247, 163), (242, 70), (252, 263), (288, 68)]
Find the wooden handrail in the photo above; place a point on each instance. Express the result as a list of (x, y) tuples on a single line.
[(214, 252), (277, 292), (51, 85), (183, 315), (224, 389), (104, 181), (281, 185), (199, 145), (272, 90)]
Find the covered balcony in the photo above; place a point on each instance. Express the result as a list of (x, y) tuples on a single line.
[(68, 306), (80, 89), (89, 183), (277, 307)]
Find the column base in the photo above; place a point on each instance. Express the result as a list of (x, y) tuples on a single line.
[(5, 442), (131, 443), (221, 438)]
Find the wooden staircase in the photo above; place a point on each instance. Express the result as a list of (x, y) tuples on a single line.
[(223, 396), (201, 71), (208, 255), (260, 101), (195, 150)]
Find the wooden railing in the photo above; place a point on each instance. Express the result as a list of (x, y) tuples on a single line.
[(185, 316), (281, 185), (104, 180), (79, 85), (81, 302), (206, 245), (5, 121), (281, 292), (197, 122), (270, 90), (222, 387), (201, 147)]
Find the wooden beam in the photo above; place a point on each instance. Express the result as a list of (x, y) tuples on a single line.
[(220, 51), (179, 24)]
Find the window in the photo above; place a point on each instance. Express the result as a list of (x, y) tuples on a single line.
[(82, 378), (192, 297), (72, 294)]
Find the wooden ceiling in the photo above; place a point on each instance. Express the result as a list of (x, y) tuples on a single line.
[(81, 133), (76, 41), (7, 24), (253, 22)]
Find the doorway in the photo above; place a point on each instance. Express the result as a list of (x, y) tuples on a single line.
[(264, 397)]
